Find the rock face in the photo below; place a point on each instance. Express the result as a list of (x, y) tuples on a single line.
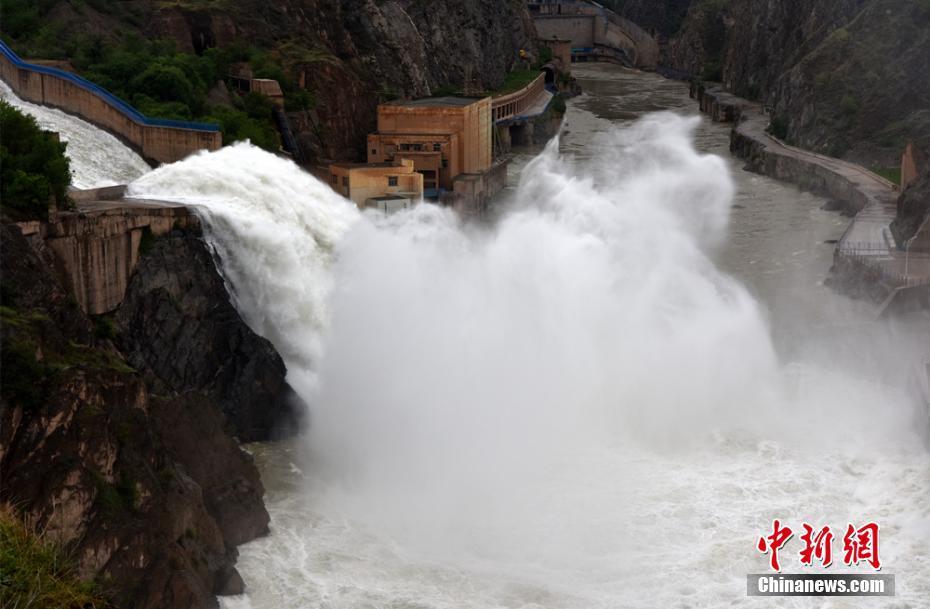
[(849, 78), (148, 492), (350, 54), (177, 325), (913, 213), (663, 17)]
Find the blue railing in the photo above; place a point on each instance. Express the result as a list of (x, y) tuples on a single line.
[(99, 91)]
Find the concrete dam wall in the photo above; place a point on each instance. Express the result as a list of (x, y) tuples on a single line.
[(158, 140), (596, 30)]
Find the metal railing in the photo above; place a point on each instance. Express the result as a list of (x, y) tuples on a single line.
[(102, 93), (513, 104)]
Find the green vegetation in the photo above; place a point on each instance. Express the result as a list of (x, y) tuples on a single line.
[(839, 36), (114, 499), (34, 170), (558, 104), (544, 53), (23, 378), (515, 81), (155, 78), (104, 327), (892, 174), (849, 105), (713, 37), (30, 363), (36, 574), (778, 127)]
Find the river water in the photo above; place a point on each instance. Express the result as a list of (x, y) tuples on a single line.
[(601, 400), (662, 509)]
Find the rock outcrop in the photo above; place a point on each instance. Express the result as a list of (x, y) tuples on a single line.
[(848, 78), (914, 214), (350, 54), (178, 326), (147, 492)]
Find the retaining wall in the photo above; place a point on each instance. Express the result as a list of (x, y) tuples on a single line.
[(95, 249), (158, 140)]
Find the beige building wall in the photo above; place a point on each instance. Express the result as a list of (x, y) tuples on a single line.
[(362, 181), (446, 139)]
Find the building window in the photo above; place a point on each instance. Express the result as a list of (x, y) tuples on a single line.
[(374, 151), (333, 178), (345, 180), (418, 147), (445, 163), (437, 147), (392, 180), (405, 146)]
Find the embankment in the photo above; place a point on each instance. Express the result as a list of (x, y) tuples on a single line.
[(867, 261), (157, 140)]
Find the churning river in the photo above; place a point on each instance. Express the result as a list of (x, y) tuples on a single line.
[(600, 400)]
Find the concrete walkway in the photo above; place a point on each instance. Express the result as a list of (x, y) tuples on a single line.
[(868, 240)]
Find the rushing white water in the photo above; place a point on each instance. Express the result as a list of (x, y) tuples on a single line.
[(97, 158), (571, 408), (274, 228)]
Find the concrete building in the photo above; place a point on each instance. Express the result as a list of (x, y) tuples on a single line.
[(387, 185), (561, 51), (596, 33), (444, 137)]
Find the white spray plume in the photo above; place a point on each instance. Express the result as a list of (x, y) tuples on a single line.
[(534, 398), (274, 228)]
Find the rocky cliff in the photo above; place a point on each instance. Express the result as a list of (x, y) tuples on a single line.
[(349, 54), (119, 457), (849, 78), (178, 326), (914, 213)]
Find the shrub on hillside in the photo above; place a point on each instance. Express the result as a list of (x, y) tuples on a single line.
[(34, 170), (35, 573)]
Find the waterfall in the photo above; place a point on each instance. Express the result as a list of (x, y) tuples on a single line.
[(572, 407)]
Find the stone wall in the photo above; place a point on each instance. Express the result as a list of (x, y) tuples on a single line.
[(161, 144)]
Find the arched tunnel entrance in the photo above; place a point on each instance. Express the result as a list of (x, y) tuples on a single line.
[(549, 70)]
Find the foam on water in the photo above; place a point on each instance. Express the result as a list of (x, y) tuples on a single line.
[(571, 408), (97, 158)]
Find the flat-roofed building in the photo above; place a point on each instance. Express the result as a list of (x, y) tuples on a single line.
[(443, 136), (362, 182)]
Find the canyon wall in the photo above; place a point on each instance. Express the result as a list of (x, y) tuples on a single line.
[(123, 449), (349, 54), (848, 78)]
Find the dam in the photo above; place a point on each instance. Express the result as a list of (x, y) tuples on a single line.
[(612, 386), (158, 140)]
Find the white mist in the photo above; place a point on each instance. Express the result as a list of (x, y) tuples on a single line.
[(571, 408)]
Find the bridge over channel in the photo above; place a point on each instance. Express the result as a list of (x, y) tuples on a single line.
[(595, 32)]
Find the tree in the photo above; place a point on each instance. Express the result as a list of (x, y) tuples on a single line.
[(34, 170)]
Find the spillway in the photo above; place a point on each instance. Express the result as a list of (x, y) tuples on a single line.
[(97, 157), (600, 400)]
